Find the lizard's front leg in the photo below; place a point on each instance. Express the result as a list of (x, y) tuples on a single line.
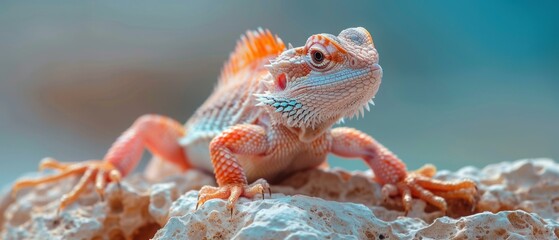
[(244, 139), (391, 171)]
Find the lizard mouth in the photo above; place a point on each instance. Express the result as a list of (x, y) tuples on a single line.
[(377, 70)]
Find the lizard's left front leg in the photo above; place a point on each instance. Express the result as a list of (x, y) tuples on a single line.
[(391, 171), (244, 139)]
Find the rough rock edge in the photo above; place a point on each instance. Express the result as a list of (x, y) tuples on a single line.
[(139, 209), (302, 217)]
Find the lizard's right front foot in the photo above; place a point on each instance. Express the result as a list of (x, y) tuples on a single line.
[(93, 170), (232, 192)]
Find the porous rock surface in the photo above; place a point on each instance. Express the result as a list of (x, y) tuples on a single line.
[(518, 200)]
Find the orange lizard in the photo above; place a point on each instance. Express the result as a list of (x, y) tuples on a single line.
[(271, 114)]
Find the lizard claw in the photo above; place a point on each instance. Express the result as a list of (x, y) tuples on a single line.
[(436, 192), (232, 192), (91, 171)]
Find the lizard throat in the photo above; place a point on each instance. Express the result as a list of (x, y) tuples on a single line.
[(289, 112)]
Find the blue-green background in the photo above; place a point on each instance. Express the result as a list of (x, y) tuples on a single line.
[(465, 82)]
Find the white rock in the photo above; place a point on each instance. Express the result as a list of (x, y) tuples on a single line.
[(282, 217), (314, 204)]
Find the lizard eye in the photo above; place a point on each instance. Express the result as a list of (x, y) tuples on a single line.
[(319, 58)]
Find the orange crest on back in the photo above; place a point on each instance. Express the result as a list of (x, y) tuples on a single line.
[(253, 47)]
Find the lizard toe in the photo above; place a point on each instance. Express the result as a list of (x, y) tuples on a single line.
[(435, 192), (92, 171), (232, 193)]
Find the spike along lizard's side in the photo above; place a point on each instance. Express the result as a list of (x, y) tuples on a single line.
[(270, 115)]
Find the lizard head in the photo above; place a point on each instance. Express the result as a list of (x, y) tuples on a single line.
[(331, 77)]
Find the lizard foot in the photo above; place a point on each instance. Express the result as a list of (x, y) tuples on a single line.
[(420, 184), (232, 192), (92, 171)]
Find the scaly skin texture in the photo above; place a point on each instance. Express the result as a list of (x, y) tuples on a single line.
[(270, 115)]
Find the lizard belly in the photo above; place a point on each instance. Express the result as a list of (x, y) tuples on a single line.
[(287, 155), (273, 168), (197, 151)]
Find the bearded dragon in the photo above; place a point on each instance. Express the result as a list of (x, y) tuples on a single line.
[(270, 115)]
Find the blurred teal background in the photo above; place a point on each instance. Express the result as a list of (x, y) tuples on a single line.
[(465, 82)]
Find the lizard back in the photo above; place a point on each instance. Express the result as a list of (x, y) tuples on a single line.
[(232, 101)]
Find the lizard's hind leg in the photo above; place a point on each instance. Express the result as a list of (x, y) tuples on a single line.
[(159, 134)]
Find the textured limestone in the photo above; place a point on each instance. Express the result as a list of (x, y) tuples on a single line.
[(302, 217), (128, 212), (518, 200)]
